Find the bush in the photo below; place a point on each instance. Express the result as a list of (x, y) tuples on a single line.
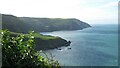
[(18, 51)]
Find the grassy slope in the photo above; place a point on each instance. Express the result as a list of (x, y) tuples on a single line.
[(44, 37), (45, 42), (38, 35), (25, 24)]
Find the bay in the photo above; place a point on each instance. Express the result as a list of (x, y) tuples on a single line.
[(94, 46)]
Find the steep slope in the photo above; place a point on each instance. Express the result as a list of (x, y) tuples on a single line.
[(13, 23), (25, 24), (49, 42), (55, 24), (45, 42)]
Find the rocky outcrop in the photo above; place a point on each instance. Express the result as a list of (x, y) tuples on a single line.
[(50, 44)]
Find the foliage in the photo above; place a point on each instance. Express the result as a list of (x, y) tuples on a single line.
[(17, 51), (44, 37), (12, 23), (24, 24)]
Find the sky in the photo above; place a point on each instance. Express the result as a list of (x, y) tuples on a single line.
[(90, 11)]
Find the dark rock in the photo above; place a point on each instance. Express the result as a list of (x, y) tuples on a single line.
[(69, 48)]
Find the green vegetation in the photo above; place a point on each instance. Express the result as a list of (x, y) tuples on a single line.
[(45, 42), (25, 24), (21, 48), (19, 25), (13, 24), (38, 35), (44, 37), (18, 51)]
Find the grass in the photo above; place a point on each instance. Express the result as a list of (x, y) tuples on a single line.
[(38, 35), (44, 37)]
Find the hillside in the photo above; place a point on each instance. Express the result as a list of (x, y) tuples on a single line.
[(12, 23), (25, 24), (45, 42)]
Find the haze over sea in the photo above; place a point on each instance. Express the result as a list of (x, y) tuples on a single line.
[(94, 46)]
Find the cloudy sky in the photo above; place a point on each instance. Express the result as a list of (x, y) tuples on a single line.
[(91, 11)]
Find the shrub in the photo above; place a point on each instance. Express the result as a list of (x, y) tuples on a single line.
[(18, 51)]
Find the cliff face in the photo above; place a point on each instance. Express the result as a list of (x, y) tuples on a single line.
[(49, 44), (45, 42), (25, 24)]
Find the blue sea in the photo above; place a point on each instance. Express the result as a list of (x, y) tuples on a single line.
[(94, 46)]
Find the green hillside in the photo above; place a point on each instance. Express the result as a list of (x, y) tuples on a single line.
[(19, 25), (25, 24), (45, 42), (12, 23)]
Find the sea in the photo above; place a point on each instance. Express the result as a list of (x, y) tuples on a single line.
[(94, 46)]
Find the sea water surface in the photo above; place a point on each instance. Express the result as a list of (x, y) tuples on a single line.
[(94, 46)]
